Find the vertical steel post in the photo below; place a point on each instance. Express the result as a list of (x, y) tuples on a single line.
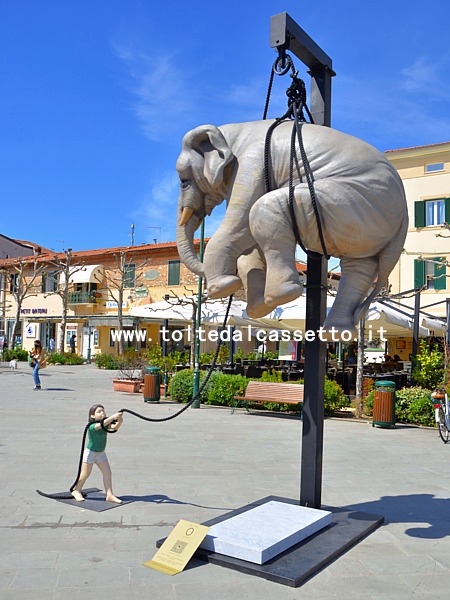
[(196, 387), (315, 352), (447, 331), (313, 413), (285, 33), (415, 344)]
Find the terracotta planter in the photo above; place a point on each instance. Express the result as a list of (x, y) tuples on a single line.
[(131, 386)]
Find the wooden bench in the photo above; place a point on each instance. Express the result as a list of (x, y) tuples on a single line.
[(263, 392)]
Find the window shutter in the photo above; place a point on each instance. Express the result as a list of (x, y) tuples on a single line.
[(440, 272), (129, 275), (419, 273), (43, 286), (447, 210), (174, 272), (419, 213)]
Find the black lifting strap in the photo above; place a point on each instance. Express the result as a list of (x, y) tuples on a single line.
[(296, 107)]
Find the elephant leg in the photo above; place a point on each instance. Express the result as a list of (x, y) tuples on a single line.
[(252, 272), (230, 241), (271, 227), (358, 275)]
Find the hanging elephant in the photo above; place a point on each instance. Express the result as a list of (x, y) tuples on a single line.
[(361, 202)]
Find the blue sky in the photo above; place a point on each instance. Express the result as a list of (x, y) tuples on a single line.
[(96, 96)]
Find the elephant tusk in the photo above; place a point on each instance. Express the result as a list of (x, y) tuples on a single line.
[(186, 215)]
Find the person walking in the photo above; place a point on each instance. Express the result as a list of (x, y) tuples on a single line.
[(72, 343), (37, 360)]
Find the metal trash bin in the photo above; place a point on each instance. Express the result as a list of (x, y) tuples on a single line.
[(151, 384), (384, 404)]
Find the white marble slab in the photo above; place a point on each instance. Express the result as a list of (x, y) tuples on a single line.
[(265, 531)]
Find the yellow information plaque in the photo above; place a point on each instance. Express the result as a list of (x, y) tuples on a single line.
[(178, 548)]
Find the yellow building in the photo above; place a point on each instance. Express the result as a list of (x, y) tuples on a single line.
[(98, 281), (425, 172)]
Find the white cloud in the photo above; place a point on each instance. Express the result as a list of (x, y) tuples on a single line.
[(408, 109), (155, 216), (159, 89), (166, 188)]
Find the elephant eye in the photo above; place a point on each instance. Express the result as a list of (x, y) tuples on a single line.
[(185, 183)]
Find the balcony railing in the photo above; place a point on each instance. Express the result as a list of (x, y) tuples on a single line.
[(83, 297)]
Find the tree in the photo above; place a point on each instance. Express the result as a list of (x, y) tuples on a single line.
[(191, 301), (66, 268), (119, 278), (22, 277), (429, 369)]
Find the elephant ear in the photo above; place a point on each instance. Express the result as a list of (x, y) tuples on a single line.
[(210, 142)]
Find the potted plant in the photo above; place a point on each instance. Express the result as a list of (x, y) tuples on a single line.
[(129, 366)]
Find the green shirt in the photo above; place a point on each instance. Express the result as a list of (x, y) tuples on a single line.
[(97, 439)]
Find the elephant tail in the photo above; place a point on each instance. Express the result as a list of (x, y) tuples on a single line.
[(388, 258)]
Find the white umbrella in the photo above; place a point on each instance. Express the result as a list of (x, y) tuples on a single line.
[(395, 320), (159, 311), (213, 311), (290, 316)]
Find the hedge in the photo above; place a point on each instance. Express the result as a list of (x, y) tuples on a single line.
[(222, 388)]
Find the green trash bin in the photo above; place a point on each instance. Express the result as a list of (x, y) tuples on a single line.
[(384, 404), (151, 384)]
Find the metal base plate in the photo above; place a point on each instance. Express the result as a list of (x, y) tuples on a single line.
[(95, 500), (302, 561)]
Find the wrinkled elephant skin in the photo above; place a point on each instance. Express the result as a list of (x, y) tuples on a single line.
[(360, 198)]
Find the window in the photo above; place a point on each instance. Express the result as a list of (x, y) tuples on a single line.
[(49, 282), (434, 167), (14, 282), (429, 213), (435, 212), (174, 272), (129, 276), (430, 273)]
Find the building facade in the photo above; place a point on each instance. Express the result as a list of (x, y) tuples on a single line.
[(99, 280), (104, 286), (424, 263)]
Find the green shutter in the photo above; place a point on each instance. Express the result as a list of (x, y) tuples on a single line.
[(43, 286), (440, 272), (129, 276), (419, 213), (447, 210), (419, 274), (174, 272)]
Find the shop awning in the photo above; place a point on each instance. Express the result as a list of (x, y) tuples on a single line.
[(87, 274), (111, 321)]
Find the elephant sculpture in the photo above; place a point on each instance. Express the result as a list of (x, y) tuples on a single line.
[(360, 198)]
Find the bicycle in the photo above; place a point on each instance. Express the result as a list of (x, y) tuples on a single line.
[(442, 414)]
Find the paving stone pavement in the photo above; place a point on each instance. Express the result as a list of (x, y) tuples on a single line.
[(196, 467)]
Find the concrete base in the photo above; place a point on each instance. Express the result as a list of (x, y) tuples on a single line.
[(294, 566), (261, 533)]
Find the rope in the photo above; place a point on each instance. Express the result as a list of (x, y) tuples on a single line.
[(296, 94), (310, 181), (139, 416)]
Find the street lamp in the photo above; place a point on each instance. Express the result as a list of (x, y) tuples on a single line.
[(196, 387)]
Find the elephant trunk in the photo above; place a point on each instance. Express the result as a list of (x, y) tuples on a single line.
[(185, 242)]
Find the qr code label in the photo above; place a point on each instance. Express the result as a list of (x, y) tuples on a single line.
[(178, 547)]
